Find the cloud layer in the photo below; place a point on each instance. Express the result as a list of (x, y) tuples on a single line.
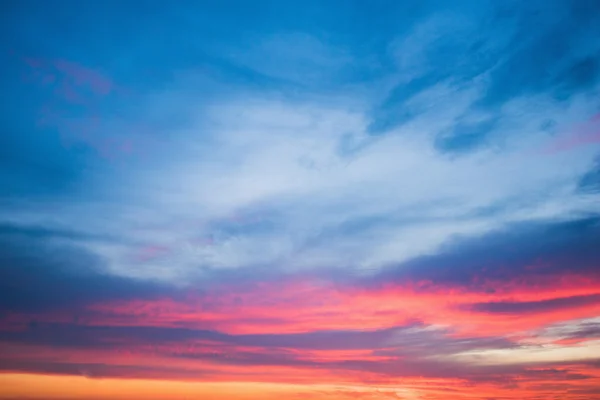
[(326, 201)]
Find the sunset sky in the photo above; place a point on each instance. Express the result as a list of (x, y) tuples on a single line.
[(321, 200)]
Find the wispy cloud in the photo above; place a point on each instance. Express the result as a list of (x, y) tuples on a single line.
[(319, 200)]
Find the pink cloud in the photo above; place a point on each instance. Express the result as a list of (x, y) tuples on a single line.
[(585, 134), (85, 76), (151, 252)]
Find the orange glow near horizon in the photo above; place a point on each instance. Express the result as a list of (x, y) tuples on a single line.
[(32, 386), (242, 359), (56, 387)]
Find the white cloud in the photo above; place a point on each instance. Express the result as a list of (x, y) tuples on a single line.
[(531, 354), (295, 56), (282, 160), (327, 193)]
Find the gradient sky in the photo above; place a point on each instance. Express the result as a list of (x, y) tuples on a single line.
[(323, 200)]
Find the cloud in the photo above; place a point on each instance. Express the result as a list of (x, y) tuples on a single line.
[(524, 250), (328, 191), (348, 200), (43, 270), (283, 162), (513, 307)]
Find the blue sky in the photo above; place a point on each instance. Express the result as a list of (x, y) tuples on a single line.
[(168, 146)]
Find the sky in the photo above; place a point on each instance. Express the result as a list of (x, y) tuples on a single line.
[(322, 200)]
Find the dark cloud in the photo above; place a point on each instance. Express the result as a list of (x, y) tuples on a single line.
[(590, 182), (270, 349), (524, 307), (588, 330), (37, 274), (100, 370), (509, 253), (74, 335)]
